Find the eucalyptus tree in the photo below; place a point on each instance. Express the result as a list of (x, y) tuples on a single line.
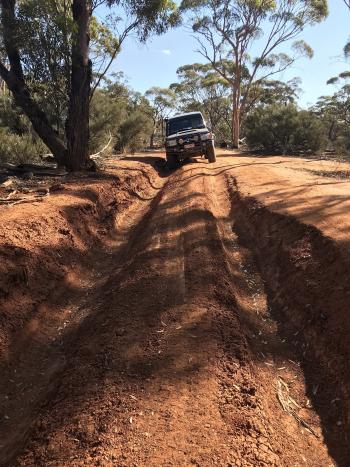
[(46, 57), (201, 87), (69, 23), (278, 92), (162, 102), (347, 45), (230, 31), (334, 110)]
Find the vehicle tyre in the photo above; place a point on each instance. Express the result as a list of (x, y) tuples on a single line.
[(172, 161), (211, 153)]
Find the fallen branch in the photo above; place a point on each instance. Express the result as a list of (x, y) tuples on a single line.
[(35, 200), (7, 183), (37, 170), (97, 155), (92, 156), (18, 200)]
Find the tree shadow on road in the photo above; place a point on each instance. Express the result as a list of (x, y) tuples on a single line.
[(114, 343)]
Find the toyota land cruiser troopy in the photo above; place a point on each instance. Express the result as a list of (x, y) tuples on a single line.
[(188, 136)]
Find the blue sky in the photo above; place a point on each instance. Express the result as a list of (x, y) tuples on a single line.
[(155, 63)]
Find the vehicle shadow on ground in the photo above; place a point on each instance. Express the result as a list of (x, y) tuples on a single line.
[(157, 162)]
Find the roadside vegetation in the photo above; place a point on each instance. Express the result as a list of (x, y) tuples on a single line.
[(154, 312), (44, 110)]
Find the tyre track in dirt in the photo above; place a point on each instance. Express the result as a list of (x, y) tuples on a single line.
[(179, 359)]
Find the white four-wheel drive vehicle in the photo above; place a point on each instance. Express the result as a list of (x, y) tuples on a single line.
[(187, 136)]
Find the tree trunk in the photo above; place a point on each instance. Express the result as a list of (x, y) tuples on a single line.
[(236, 121), (77, 125), (15, 81), (162, 126), (151, 141), (236, 127), (332, 133)]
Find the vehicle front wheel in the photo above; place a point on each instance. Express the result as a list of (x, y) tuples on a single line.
[(172, 161), (211, 153)]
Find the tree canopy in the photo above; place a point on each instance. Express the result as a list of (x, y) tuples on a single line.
[(53, 50), (226, 31)]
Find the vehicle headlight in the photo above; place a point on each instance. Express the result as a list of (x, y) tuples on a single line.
[(206, 136), (171, 142), (181, 141)]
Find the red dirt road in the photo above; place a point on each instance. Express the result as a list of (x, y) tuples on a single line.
[(198, 317)]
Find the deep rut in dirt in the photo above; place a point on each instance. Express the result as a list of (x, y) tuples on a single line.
[(42, 309), (177, 359), (308, 290)]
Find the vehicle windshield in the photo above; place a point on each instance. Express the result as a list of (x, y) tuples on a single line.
[(188, 122)]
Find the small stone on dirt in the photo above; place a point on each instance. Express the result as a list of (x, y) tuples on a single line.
[(56, 187), (42, 191), (27, 175), (64, 231)]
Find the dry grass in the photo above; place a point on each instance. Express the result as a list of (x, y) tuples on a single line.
[(289, 405)]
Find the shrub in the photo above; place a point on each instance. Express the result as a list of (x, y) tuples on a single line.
[(20, 149), (134, 132), (284, 128), (106, 114)]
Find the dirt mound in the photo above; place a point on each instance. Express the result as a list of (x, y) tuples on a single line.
[(46, 253), (40, 244), (306, 277)]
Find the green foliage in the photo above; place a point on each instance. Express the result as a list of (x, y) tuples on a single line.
[(44, 34), (19, 149), (284, 128), (134, 132), (231, 30), (347, 50), (43, 31), (17, 143), (106, 115), (114, 110), (334, 112), (303, 49), (103, 41), (202, 88), (162, 102), (11, 117), (119, 112), (148, 17), (277, 92)]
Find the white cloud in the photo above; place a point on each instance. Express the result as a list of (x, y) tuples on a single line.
[(166, 52)]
